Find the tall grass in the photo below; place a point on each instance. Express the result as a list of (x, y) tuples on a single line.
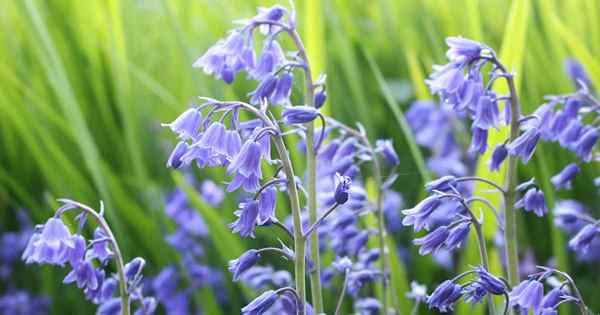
[(85, 84)]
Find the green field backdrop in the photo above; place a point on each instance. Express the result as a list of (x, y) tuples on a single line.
[(84, 86)]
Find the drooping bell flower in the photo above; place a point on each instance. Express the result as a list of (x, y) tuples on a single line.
[(583, 147), (463, 49), (51, 246), (264, 90), (84, 275), (487, 113), (525, 144), (498, 156), (444, 296), (174, 160), (527, 295), (443, 184), (187, 124), (386, 148), (240, 265), (342, 189), (582, 241), (432, 241), (320, 98), (564, 178), (266, 206), (533, 200), (283, 89), (457, 235), (260, 304), (247, 217), (419, 216), (246, 166), (479, 140), (299, 114)]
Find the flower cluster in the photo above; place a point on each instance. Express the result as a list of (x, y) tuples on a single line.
[(214, 134), (52, 243), (572, 217), (186, 240), (473, 291)]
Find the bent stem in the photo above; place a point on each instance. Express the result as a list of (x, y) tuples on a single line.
[(123, 291)]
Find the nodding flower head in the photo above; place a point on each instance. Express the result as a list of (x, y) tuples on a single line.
[(419, 216), (498, 156), (133, 269), (527, 295), (446, 79), (260, 304), (283, 89), (577, 74), (175, 160), (84, 274), (474, 292), (478, 140), (51, 246), (463, 49), (533, 200), (368, 305), (586, 143), (457, 235), (432, 241), (264, 90), (243, 263), (524, 146), (320, 98), (299, 114), (567, 214), (487, 113), (444, 296), (564, 178), (386, 148), (187, 124), (247, 219), (491, 283), (443, 184), (266, 206), (246, 166), (342, 189), (582, 241)]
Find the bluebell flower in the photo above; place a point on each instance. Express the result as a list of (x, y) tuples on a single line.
[(368, 257), (498, 156), (457, 235), (564, 178), (569, 137), (100, 248), (271, 58), (174, 160), (582, 241), (478, 140), (418, 216), (583, 147), (247, 219), (367, 306), (446, 79), (23, 303), (487, 113), (283, 89), (567, 215), (148, 306), (246, 165), (386, 148), (260, 304), (491, 283), (553, 298), (110, 307), (84, 274), (320, 98), (444, 296), (527, 295), (214, 139), (299, 114), (533, 200), (474, 293), (233, 143), (266, 206), (342, 189), (264, 90), (76, 254), (243, 263), (187, 124), (443, 184), (51, 246), (463, 49), (433, 240), (133, 269), (577, 74), (524, 145)]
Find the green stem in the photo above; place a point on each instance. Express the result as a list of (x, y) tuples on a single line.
[(311, 165), (485, 262), (299, 243)]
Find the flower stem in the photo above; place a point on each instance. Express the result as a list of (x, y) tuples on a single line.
[(338, 307), (311, 165), (123, 291)]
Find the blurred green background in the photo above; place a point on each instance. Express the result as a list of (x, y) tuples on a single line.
[(84, 86)]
